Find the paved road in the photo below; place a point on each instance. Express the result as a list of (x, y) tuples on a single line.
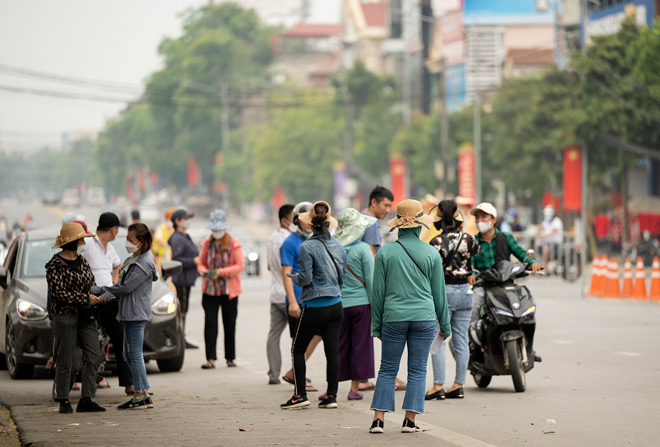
[(597, 383)]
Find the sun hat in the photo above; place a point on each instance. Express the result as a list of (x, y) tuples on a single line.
[(410, 214), (308, 216), (69, 233), (218, 221), (486, 207), (352, 224), (458, 216)]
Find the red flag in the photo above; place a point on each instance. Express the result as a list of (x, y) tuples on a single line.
[(549, 199), (398, 179), (193, 177), (573, 178), (466, 173)]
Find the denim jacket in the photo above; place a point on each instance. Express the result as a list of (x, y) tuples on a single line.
[(318, 274)]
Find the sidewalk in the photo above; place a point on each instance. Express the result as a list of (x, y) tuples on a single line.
[(8, 432)]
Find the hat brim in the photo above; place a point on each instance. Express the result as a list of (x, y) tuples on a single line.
[(305, 217), (426, 219), (354, 231), (84, 235)]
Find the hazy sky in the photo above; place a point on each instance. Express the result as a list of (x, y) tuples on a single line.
[(98, 40)]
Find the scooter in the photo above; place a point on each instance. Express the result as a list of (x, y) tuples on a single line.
[(502, 340)]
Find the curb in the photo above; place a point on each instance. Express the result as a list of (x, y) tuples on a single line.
[(8, 431)]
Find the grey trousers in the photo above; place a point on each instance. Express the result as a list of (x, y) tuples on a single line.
[(278, 322), (67, 334)]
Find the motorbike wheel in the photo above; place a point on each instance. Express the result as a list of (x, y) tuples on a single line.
[(482, 380), (515, 366)]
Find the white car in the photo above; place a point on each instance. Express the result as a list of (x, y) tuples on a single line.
[(96, 196), (70, 197)]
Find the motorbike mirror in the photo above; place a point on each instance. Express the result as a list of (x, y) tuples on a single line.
[(530, 253), (171, 268)]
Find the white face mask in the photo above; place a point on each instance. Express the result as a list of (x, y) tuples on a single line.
[(484, 227), (186, 225), (218, 234), (293, 228), (80, 249), (131, 248)]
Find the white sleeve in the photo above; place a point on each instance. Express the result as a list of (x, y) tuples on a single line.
[(116, 262)]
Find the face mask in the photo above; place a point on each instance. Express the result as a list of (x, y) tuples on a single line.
[(293, 228), (80, 249), (186, 225), (218, 234), (548, 216), (131, 248), (484, 227), (169, 223), (307, 235)]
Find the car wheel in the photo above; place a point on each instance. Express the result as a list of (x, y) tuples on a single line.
[(16, 370), (3, 361), (175, 363)]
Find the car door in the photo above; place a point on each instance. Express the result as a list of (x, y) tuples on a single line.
[(6, 290)]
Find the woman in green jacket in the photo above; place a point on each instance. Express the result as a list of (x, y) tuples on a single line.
[(356, 346), (408, 295)]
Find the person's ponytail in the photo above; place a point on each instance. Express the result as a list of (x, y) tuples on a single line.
[(321, 215)]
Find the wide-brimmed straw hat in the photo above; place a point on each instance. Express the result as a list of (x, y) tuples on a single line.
[(410, 214), (69, 233), (458, 216), (352, 224), (307, 217)]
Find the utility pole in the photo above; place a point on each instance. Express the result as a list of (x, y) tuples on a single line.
[(444, 127), (477, 146), (224, 115)]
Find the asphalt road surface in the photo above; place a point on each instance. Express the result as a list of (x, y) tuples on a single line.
[(596, 386)]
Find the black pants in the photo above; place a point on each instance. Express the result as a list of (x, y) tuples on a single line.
[(115, 330), (312, 319), (211, 305), (183, 293)]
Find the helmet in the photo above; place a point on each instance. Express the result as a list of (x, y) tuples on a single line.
[(476, 332), (300, 208)]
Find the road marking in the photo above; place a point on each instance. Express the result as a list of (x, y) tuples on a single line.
[(627, 353), (453, 437), (562, 342)]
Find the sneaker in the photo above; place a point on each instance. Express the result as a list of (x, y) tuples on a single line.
[(149, 402), (133, 405), (274, 381), (328, 402), (295, 402), (377, 426), (409, 426), (323, 396), (65, 407), (355, 395), (86, 405)]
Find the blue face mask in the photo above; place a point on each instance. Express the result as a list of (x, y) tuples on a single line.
[(303, 233)]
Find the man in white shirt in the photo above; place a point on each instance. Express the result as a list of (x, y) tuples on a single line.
[(105, 263), (278, 310), (552, 232)]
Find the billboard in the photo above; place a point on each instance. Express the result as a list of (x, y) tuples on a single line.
[(507, 12), (456, 87), (607, 21)]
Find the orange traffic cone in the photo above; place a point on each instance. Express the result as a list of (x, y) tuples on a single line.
[(612, 289), (640, 281), (627, 280), (655, 280), (597, 277)]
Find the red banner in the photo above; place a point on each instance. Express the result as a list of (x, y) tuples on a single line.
[(193, 176), (572, 179), (549, 199), (466, 172), (398, 179)]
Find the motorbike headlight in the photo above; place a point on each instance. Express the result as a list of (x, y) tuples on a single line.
[(531, 310), (30, 311), (503, 312), (165, 306), (253, 257)]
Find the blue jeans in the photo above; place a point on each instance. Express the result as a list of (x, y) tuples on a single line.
[(133, 341), (460, 308), (418, 335)]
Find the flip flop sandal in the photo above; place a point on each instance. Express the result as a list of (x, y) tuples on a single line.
[(311, 388), (208, 365), (287, 380), (369, 387)]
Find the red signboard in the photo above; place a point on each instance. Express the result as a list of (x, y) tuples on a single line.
[(193, 174), (572, 179), (398, 179), (466, 172)]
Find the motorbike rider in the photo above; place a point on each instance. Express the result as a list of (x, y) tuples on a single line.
[(495, 245)]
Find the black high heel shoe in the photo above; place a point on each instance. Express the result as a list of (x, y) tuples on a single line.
[(440, 395), (456, 394)]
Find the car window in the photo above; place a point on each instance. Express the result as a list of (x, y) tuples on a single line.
[(37, 254), (10, 260)]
